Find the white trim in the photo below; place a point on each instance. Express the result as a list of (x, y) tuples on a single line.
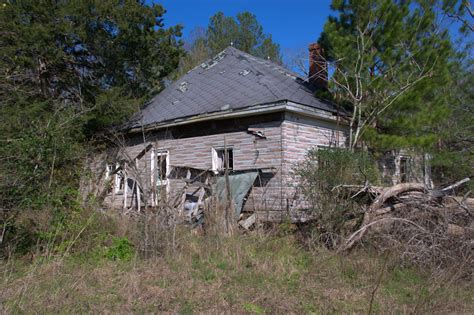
[(117, 178), (152, 166), (152, 177), (158, 153), (137, 187)]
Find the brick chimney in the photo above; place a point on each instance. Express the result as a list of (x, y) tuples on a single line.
[(318, 67)]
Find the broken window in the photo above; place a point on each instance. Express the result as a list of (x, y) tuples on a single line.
[(161, 168), (404, 169), (116, 176), (119, 179), (222, 159)]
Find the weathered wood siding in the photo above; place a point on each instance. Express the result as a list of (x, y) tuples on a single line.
[(274, 194), (418, 170), (250, 152), (301, 134)]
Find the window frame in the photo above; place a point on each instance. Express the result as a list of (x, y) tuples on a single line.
[(119, 177), (155, 166), (405, 161), (215, 157)]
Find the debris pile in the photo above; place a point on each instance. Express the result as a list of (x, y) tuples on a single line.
[(429, 227)]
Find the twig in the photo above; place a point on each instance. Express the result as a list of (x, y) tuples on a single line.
[(377, 285)]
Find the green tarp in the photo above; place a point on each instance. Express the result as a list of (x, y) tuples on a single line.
[(239, 184)]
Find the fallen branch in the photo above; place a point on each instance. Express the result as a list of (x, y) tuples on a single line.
[(357, 235), (395, 191), (413, 196), (446, 190)]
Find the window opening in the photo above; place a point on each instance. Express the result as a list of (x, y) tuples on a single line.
[(222, 158), (162, 167), (404, 169)]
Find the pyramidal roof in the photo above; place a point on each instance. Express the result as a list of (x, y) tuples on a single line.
[(232, 80)]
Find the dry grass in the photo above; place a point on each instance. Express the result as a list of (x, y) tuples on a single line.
[(255, 273)]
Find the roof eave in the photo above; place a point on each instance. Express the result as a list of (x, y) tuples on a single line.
[(278, 106)]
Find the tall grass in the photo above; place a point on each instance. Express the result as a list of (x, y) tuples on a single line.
[(109, 269)]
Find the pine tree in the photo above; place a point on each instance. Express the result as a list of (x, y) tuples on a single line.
[(246, 34), (391, 64)]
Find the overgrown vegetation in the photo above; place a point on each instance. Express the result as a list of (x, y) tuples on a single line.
[(423, 228), (256, 273), (320, 174), (71, 70)]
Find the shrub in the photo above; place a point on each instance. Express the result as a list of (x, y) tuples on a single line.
[(121, 249), (325, 169), (320, 173)]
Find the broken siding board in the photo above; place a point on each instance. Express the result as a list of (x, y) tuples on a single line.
[(247, 223)]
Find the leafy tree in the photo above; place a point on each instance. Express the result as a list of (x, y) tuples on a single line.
[(453, 154), (69, 69), (221, 31), (390, 60), (72, 51), (197, 53), (460, 11)]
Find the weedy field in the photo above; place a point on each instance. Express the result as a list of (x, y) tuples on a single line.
[(259, 273)]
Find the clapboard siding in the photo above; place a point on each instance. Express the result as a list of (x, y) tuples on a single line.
[(285, 144), (300, 134), (250, 152)]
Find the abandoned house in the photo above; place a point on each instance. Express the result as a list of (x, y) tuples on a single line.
[(235, 112)]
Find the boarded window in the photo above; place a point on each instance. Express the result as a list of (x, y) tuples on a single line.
[(222, 159)]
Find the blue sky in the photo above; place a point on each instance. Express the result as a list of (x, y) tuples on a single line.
[(292, 23)]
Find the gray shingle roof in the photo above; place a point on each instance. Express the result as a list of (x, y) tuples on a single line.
[(231, 80)]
